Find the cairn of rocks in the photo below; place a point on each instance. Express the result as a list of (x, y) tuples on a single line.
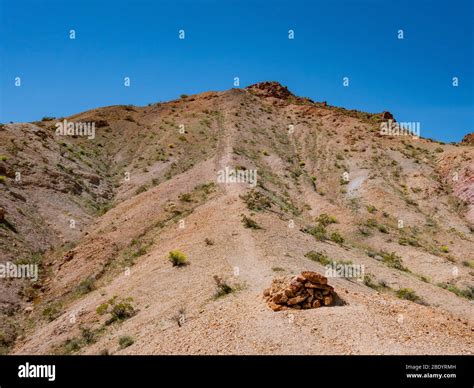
[(305, 291)]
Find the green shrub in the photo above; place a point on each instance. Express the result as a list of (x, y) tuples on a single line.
[(318, 232), (186, 197), (222, 288), (408, 294), (119, 310), (467, 293), (256, 201), (249, 223), (278, 269), (318, 257), (85, 286), (369, 281), (3, 179), (3, 158), (392, 260), (364, 231), (52, 311), (125, 341), (371, 209), (326, 220), (140, 190), (371, 223), (406, 240), (444, 249), (337, 238), (178, 258)]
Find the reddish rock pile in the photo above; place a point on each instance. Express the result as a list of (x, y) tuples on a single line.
[(270, 89), (305, 291), (386, 116), (468, 139)]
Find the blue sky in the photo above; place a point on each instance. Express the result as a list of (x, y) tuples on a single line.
[(412, 77)]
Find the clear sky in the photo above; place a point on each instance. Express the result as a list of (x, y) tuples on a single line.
[(358, 39)]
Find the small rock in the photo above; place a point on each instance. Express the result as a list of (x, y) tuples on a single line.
[(296, 300)]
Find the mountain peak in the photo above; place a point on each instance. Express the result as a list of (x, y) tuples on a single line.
[(270, 89)]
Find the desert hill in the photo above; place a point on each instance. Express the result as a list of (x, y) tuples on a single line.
[(330, 189)]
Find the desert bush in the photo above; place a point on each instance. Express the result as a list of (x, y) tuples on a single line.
[(125, 341), (140, 190), (85, 286), (392, 260), (337, 238), (407, 240), (371, 209), (364, 231), (178, 258), (186, 197), (318, 257), (222, 288), (467, 293), (278, 269), (444, 248), (180, 317), (209, 241), (52, 311), (318, 232), (249, 223), (408, 294), (369, 281), (119, 310), (326, 220), (256, 201)]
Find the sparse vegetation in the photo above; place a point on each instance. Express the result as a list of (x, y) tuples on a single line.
[(186, 197), (125, 341), (392, 260), (444, 249), (250, 223), (119, 310), (141, 189), (337, 238), (52, 311), (209, 241), (278, 269), (85, 286), (222, 288), (318, 232), (256, 201), (318, 257), (178, 258), (466, 293), (371, 209), (408, 294), (326, 220)]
